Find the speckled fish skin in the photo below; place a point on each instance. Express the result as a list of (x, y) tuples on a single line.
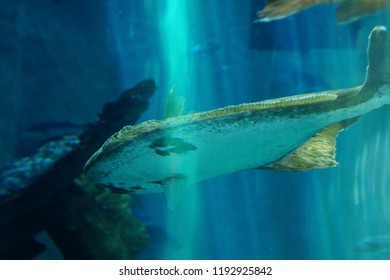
[(348, 10), (187, 149)]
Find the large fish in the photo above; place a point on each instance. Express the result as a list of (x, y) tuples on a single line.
[(348, 10), (294, 133)]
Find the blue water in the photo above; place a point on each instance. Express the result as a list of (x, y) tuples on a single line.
[(319, 214), (202, 48)]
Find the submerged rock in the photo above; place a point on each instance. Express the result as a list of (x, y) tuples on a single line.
[(39, 193)]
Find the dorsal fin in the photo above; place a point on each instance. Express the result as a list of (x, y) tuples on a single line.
[(318, 152), (174, 106)]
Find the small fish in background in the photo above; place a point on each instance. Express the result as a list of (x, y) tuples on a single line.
[(200, 49), (374, 244), (352, 10), (347, 12)]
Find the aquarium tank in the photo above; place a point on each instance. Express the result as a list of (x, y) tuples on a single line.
[(75, 72)]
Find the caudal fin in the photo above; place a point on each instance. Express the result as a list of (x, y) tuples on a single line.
[(378, 70)]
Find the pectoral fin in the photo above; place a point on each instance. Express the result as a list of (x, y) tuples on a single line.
[(318, 152)]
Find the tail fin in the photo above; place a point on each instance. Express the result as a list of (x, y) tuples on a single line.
[(378, 70)]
